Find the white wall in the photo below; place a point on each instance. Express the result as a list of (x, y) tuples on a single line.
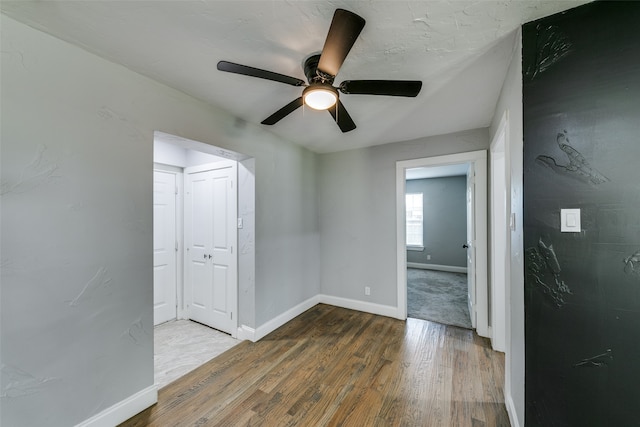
[(357, 204), (197, 158), (76, 224), (169, 154), (511, 100)]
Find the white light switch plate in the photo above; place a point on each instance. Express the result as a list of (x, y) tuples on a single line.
[(570, 220)]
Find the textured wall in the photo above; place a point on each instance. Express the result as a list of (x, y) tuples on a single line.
[(357, 205), (76, 224), (581, 72), (444, 220)]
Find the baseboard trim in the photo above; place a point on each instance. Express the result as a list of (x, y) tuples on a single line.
[(449, 268), (123, 410), (511, 411), (246, 333), (367, 307), (273, 324)]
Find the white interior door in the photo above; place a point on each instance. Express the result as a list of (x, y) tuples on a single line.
[(471, 244), (211, 266), (164, 247)]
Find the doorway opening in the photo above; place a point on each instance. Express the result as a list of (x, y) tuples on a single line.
[(204, 202), (472, 166), (437, 280)]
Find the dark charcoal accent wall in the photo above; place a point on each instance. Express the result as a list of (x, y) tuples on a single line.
[(582, 150)]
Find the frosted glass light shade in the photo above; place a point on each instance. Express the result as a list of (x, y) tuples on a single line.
[(320, 97)]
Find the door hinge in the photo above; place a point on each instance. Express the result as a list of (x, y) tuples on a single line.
[(176, 246), (231, 315), (176, 189)]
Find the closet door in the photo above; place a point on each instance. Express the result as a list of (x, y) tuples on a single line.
[(211, 234)]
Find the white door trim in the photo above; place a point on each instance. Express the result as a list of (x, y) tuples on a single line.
[(479, 159), (470, 197), (500, 244)]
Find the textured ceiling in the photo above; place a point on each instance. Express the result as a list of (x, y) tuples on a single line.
[(459, 49)]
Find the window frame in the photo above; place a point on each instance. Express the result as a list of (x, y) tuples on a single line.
[(414, 246)]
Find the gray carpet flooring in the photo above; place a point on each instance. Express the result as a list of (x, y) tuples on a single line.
[(438, 296)]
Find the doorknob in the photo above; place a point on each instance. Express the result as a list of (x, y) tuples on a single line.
[(465, 246), (209, 256)]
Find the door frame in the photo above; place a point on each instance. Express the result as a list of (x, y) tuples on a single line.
[(479, 160), (500, 233), (470, 197)]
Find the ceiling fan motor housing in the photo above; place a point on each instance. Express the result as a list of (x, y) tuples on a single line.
[(312, 72)]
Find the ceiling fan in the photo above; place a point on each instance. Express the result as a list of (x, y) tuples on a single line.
[(321, 71)]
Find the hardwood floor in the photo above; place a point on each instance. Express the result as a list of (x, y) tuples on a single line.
[(336, 367)]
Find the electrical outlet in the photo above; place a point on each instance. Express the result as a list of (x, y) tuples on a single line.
[(428, 257), (367, 290)]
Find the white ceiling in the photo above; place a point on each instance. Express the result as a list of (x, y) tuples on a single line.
[(459, 49)]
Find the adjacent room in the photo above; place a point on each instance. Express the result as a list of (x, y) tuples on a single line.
[(436, 208), (193, 182)]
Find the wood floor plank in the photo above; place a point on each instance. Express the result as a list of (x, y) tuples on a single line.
[(332, 366)]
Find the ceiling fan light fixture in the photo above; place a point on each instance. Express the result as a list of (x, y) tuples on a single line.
[(320, 96), (321, 69)]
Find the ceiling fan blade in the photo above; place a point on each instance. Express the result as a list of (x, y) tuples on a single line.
[(230, 67), (283, 112), (342, 118), (343, 32), (381, 87)]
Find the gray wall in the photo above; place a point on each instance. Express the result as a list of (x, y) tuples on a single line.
[(357, 205), (76, 224), (444, 220), (511, 100), (247, 242)]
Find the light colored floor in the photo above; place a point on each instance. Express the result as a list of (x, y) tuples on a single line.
[(180, 346)]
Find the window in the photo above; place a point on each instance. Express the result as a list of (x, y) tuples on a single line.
[(414, 219)]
